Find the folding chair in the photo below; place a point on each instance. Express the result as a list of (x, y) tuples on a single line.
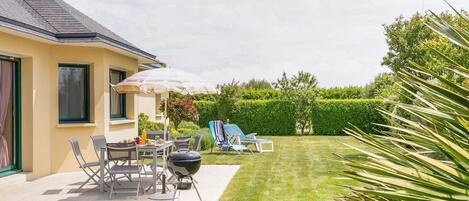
[(85, 166), (124, 152)]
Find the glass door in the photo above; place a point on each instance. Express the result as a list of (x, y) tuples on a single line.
[(9, 119)]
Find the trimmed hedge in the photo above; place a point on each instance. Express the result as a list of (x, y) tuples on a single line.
[(350, 92), (244, 94), (275, 117), (207, 111), (330, 117), (260, 94), (265, 117)]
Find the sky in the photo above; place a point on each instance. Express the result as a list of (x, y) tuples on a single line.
[(340, 41)]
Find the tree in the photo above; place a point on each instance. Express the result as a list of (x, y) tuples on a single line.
[(411, 40), (257, 84), (182, 109), (302, 80), (301, 90), (382, 86), (225, 102)]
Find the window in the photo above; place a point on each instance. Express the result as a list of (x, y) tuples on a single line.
[(117, 100), (73, 93)]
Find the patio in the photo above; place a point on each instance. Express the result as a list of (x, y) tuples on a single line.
[(212, 181)]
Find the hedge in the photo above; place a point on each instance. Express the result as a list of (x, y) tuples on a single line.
[(275, 117), (265, 117), (260, 94), (207, 111), (350, 92), (330, 117)]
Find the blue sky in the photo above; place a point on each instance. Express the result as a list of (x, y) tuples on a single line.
[(340, 41)]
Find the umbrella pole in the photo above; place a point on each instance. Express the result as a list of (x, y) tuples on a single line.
[(164, 195), (165, 137)]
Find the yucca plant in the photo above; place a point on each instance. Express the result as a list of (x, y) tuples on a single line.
[(425, 156)]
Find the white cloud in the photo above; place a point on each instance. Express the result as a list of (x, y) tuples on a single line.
[(340, 41)]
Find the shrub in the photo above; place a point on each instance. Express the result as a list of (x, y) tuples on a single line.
[(276, 117), (260, 94), (188, 125), (145, 124), (303, 100), (350, 92), (207, 111), (265, 117), (207, 140), (182, 110), (229, 94), (330, 117)]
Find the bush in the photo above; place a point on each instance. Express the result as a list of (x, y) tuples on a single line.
[(330, 117), (260, 94), (276, 117), (350, 92), (182, 110), (207, 111), (207, 140), (226, 100), (265, 117), (243, 93), (145, 124), (188, 125)]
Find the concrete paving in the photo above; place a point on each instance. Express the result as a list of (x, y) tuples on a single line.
[(212, 181)]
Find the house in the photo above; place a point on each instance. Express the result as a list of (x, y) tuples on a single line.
[(56, 66)]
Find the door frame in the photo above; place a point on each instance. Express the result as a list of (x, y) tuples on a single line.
[(17, 167)]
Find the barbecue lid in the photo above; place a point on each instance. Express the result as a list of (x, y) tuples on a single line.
[(184, 156)]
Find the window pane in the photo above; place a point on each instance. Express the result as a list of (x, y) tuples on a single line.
[(72, 93), (7, 134), (117, 100)]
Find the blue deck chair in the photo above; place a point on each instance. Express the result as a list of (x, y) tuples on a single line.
[(222, 140), (234, 130)]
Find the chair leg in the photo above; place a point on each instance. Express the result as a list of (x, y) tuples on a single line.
[(138, 184), (112, 186), (90, 177), (81, 186)]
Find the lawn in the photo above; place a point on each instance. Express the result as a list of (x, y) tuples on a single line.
[(301, 168)]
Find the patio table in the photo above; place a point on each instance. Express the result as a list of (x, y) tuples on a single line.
[(141, 148)]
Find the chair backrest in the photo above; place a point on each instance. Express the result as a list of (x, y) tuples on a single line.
[(197, 143), (121, 151), (182, 143), (99, 141), (211, 126), (234, 130), (77, 152), (217, 132), (153, 134)]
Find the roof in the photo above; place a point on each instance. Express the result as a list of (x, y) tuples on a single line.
[(58, 21), (150, 66)]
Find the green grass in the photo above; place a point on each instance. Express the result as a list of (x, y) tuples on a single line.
[(301, 168)]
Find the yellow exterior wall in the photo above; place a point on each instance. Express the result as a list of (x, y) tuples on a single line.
[(45, 146)]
